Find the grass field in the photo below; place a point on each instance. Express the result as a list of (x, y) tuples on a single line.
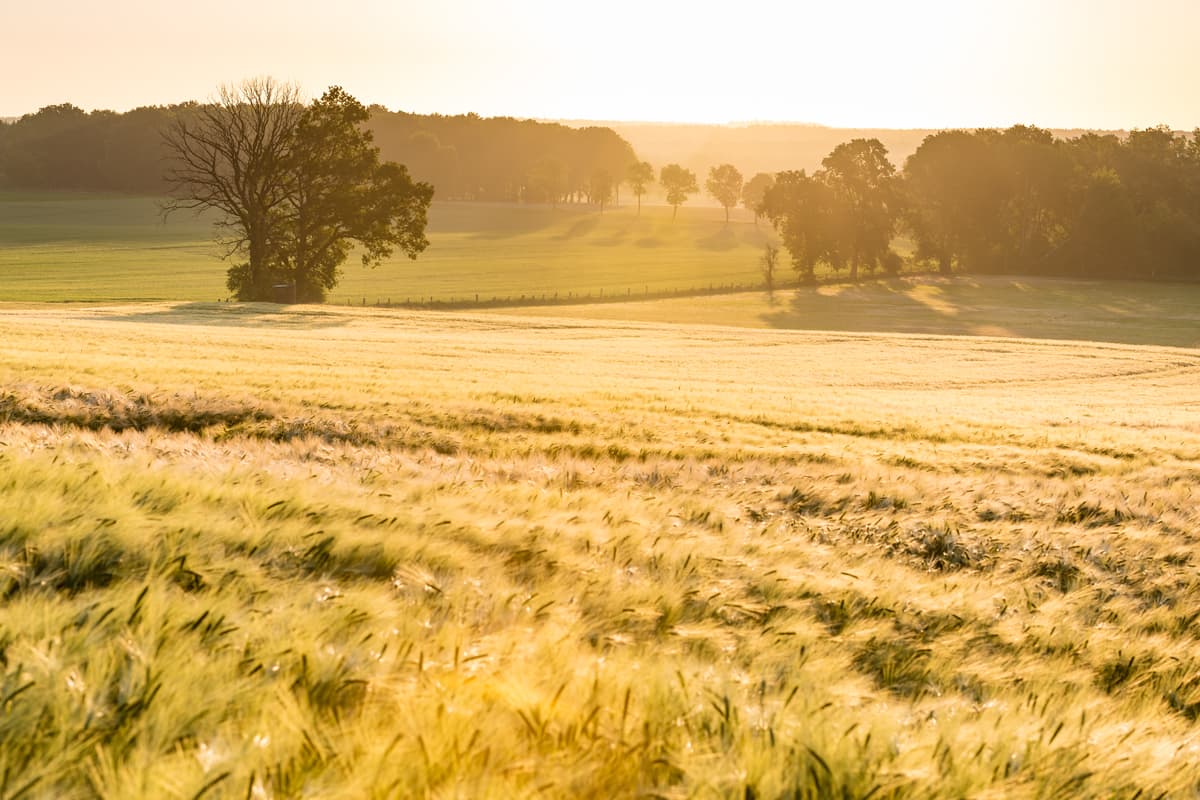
[(253, 552), (1107, 311), (59, 246)]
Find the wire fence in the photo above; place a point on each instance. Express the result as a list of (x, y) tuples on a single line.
[(627, 294)]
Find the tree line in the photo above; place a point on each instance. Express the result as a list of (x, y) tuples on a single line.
[(1018, 200), (466, 157)]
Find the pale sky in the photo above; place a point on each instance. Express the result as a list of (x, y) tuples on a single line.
[(873, 63)]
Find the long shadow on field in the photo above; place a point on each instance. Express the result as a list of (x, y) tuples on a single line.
[(240, 315), (579, 228), (489, 221), (618, 237), (1118, 312), (724, 239)]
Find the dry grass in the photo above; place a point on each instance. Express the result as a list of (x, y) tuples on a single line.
[(248, 552)]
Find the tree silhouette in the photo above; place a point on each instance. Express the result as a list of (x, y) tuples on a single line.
[(340, 195), (864, 188), (231, 156), (753, 192), (639, 175), (725, 184), (953, 194), (679, 183), (804, 211)]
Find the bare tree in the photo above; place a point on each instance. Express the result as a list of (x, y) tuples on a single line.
[(770, 267), (231, 156)]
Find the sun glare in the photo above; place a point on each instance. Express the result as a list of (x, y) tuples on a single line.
[(927, 63)]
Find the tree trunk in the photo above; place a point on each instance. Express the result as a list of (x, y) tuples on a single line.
[(675, 213), (944, 264), (259, 278)]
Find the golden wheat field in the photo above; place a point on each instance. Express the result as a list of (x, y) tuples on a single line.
[(313, 552)]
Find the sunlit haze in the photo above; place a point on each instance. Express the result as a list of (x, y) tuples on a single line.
[(924, 63)]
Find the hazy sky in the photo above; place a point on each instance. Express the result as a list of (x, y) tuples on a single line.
[(891, 63)]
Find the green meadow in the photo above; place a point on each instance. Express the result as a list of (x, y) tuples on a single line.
[(65, 247)]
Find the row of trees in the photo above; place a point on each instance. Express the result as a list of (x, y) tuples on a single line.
[(990, 201), (725, 184)]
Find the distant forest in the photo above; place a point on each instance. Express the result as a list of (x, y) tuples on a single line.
[(767, 146), (1019, 201), (464, 157)]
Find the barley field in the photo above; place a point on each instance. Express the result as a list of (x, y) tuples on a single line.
[(257, 552)]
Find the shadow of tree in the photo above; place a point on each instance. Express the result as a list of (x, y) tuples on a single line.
[(1041, 308), (577, 229), (239, 315), (616, 238), (724, 239)]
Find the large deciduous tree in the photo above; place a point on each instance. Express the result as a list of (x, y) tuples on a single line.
[(802, 209), (725, 184), (231, 156), (864, 184), (953, 190), (295, 187), (340, 195), (679, 183)]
